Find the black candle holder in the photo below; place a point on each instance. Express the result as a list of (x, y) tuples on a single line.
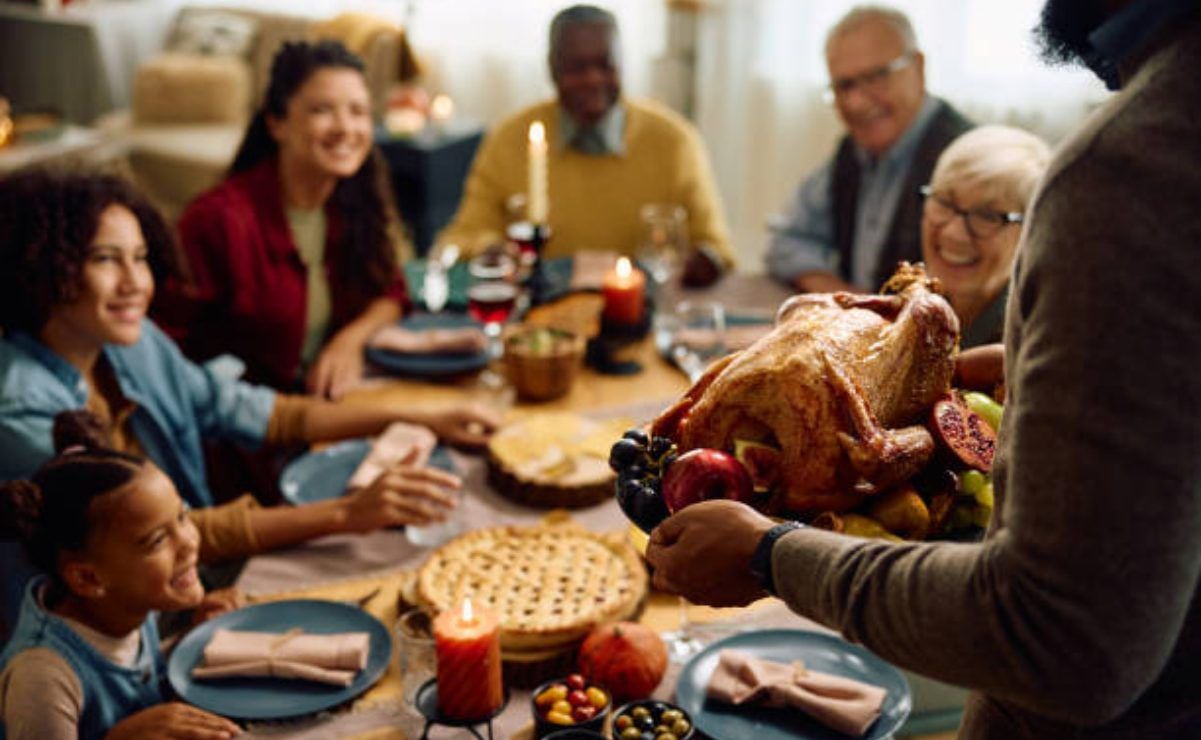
[(426, 701), (611, 339), (541, 288)]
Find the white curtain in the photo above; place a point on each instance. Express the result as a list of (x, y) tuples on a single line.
[(762, 73)]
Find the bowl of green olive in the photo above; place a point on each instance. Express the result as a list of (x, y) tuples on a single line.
[(651, 720)]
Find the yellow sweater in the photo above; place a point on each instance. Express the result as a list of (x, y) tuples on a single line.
[(594, 200)]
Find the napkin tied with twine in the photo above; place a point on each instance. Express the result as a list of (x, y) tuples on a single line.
[(466, 340), (332, 659), (842, 704)]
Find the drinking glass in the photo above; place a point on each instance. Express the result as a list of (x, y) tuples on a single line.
[(693, 336), (415, 658), (663, 243), (436, 533), (492, 294)]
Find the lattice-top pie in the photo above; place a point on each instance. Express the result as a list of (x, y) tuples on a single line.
[(549, 585)]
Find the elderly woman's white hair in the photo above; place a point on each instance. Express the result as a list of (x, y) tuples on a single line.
[(998, 162)]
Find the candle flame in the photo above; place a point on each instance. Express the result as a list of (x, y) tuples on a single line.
[(623, 268), (468, 614), (537, 132), (442, 108)]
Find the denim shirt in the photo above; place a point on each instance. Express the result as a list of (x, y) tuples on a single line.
[(179, 405), (111, 692)]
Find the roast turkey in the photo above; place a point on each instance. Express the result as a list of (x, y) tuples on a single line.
[(839, 388)]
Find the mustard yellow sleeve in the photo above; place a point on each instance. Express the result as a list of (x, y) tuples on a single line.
[(481, 217), (702, 199), (288, 419), (225, 530)]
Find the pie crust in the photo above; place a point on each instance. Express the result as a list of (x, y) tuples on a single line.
[(548, 584)]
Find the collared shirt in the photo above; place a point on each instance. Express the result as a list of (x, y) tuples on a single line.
[(1120, 37), (178, 405), (803, 238), (606, 137)]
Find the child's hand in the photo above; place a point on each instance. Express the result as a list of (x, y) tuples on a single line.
[(218, 602), (173, 721)]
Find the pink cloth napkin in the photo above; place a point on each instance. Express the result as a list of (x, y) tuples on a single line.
[(842, 704), (588, 269), (397, 442), (467, 340), (332, 659)]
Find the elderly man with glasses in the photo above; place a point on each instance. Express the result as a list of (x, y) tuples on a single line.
[(854, 218)]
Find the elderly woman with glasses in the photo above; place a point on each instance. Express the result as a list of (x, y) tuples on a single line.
[(971, 223)]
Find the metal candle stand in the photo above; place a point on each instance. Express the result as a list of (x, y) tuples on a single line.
[(427, 703), (537, 283), (611, 338)]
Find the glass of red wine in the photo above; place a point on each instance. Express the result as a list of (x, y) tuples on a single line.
[(491, 298)]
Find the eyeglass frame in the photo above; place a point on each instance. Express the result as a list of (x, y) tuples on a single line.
[(871, 80), (996, 220)]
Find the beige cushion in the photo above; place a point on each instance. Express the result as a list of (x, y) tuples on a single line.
[(212, 31), (191, 88)]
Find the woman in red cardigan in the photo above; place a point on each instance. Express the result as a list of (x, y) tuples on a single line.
[(293, 256)]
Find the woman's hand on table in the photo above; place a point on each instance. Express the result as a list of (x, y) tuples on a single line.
[(218, 602), (465, 425), (401, 495), (723, 536), (173, 721), (337, 369)]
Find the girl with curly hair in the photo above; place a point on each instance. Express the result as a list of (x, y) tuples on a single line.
[(112, 537), (82, 255), (294, 255)]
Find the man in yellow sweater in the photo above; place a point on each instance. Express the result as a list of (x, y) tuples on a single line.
[(609, 156)]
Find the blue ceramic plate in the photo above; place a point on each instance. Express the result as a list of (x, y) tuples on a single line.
[(434, 365), (323, 474), (820, 652), (275, 698)]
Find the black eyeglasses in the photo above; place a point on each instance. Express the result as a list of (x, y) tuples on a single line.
[(871, 81), (981, 223)]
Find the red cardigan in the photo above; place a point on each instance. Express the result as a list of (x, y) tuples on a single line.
[(249, 290)]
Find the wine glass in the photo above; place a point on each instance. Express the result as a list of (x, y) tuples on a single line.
[(663, 243), (492, 294)]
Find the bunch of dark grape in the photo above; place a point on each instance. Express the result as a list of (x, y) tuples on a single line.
[(640, 463)]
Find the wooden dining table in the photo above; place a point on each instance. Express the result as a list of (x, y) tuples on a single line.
[(349, 567)]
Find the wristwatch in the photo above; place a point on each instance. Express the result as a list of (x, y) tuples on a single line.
[(761, 559)]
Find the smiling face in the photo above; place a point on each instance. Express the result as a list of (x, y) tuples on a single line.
[(116, 285), (585, 70), (142, 552), (972, 270), (326, 128), (876, 115)]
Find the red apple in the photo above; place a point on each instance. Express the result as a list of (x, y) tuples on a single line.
[(703, 474)]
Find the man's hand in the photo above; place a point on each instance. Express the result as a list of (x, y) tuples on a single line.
[(702, 268), (704, 551), (981, 368), (173, 721)]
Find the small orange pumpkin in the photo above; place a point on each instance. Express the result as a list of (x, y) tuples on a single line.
[(626, 658)]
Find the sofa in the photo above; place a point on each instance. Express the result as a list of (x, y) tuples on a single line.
[(191, 103)]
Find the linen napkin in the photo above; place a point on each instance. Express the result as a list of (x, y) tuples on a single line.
[(332, 659), (465, 340), (842, 704), (397, 442)]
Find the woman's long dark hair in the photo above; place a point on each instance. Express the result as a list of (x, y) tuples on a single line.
[(50, 513), (48, 218), (364, 200)]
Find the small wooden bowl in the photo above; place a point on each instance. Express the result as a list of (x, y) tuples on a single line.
[(542, 362)]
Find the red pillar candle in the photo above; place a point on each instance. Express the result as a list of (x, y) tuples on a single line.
[(467, 642), (624, 289)]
